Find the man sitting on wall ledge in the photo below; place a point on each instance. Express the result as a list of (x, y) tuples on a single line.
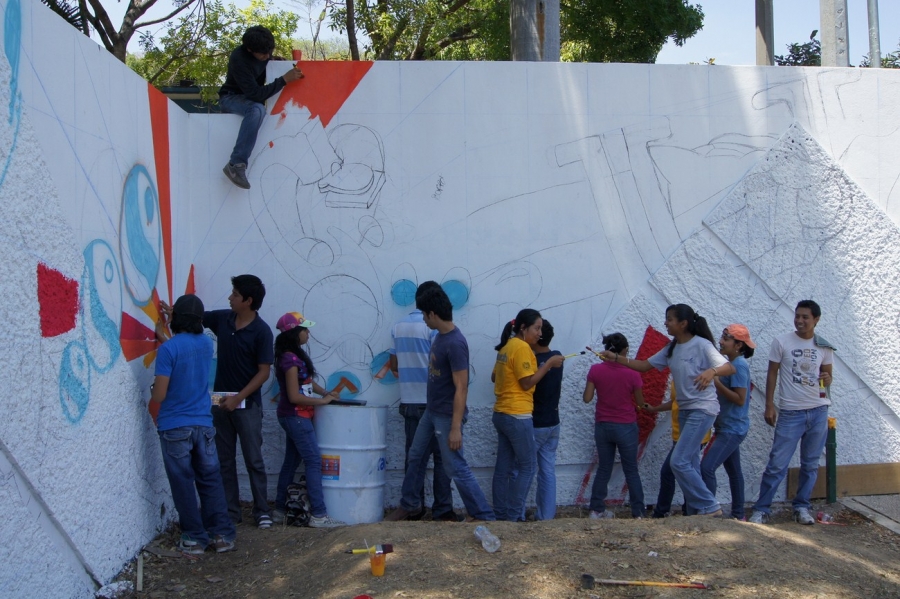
[(245, 92)]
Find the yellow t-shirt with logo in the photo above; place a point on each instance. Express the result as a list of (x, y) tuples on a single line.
[(515, 361), (676, 429)]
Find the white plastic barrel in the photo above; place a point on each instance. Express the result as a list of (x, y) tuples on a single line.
[(352, 441)]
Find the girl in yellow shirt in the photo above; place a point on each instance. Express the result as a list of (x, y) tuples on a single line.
[(515, 375)]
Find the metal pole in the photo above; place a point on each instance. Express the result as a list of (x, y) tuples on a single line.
[(765, 33), (874, 36)]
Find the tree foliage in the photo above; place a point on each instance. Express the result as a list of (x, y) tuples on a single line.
[(70, 12), (591, 30), (625, 30), (808, 54), (116, 40), (197, 46)]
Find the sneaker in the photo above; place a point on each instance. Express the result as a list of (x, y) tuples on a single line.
[(237, 174), (221, 545), (264, 522), (604, 515), (277, 517), (451, 516), (186, 545), (759, 518), (802, 516), (325, 522)]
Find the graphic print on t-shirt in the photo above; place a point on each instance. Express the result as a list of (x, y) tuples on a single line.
[(803, 366)]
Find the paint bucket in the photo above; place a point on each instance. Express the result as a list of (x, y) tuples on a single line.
[(352, 441)]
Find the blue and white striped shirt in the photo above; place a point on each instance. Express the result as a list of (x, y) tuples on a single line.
[(412, 346)]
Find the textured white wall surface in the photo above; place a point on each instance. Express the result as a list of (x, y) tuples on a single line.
[(598, 194)]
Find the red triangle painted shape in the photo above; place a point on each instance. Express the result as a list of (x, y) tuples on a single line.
[(325, 87), (135, 338), (655, 381)]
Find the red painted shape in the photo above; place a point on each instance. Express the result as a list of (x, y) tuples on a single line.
[(57, 301), (190, 287), (655, 381), (135, 338), (159, 123), (324, 89)]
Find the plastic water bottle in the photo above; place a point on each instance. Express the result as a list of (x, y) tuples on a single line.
[(487, 538)]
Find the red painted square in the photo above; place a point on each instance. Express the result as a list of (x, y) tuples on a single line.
[(58, 301)]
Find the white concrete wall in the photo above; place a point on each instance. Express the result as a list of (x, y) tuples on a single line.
[(597, 194)]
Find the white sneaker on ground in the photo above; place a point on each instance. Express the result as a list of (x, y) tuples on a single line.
[(802, 516), (325, 521), (759, 518), (604, 515), (277, 516)]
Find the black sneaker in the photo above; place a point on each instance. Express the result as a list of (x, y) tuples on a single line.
[(237, 174), (450, 516)]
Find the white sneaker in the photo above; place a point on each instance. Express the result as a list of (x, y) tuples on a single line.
[(325, 521), (604, 515), (277, 516), (759, 518), (802, 516)]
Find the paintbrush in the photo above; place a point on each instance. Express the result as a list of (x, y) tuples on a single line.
[(386, 548), (596, 353), (581, 353)]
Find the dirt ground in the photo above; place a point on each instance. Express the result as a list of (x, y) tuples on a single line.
[(541, 560)]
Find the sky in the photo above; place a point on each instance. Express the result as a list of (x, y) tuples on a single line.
[(729, 30), (728, 34)]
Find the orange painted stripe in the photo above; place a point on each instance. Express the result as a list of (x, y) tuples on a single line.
[(159, 123), (324, 89)]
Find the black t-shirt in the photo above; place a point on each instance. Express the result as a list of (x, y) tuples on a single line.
[(546, 393), (239, 352)]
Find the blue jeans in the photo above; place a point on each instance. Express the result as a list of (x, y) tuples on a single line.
[(725, 448), (666, 487), (245, 424), (546, 440), (192, 467), (443, 496), (301, 443), (253, 113), (685, 460), (516, 465), (437, 426), (809, 428), (608, 436)]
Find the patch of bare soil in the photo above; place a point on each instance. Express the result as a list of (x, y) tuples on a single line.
[(542, 560)]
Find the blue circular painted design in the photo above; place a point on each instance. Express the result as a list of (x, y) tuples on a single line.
[(140, 235), (334, 379), (457, 292), (379, 372), (150, 204), (102, 299), (403, 292), (74, 381)]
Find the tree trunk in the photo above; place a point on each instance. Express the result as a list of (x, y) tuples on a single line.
[(351, 31), (523, 36)]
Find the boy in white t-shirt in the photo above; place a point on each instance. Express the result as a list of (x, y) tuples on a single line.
[(798, 361)]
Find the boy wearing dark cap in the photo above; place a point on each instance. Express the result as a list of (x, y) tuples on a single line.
[(186, 434), (245, 92), (244, 356)]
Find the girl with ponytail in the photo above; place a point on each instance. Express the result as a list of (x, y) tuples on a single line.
[(515, 375), (619, 393), (694, 362)]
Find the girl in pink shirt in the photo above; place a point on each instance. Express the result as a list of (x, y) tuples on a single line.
[(618, 391)]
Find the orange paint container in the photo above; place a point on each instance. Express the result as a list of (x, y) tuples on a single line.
[(377, 562)]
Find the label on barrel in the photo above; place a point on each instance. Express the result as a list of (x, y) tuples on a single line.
[(331, 467)]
